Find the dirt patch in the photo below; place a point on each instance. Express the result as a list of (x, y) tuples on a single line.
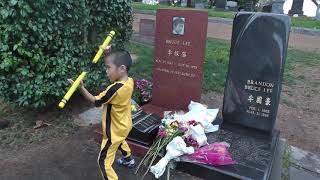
[(299, 112), (304, 93), (58, 152), (21, 130), (71, 157), (300, 127)]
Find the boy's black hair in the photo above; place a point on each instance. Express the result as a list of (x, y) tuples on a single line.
[(120, 57)]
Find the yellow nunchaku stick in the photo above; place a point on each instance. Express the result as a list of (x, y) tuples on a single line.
[(104, 45), (96, 58), (72, 89)]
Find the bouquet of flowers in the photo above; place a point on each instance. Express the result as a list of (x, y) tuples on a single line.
[(143, 90), (170, 129), (179, 134), (167, 132)]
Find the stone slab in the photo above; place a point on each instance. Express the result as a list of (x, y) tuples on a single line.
[(89, 117), (300, 174), (276, 170), (306, 160)]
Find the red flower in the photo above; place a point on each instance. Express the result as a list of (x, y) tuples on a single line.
[(192, 122), (162, 134)]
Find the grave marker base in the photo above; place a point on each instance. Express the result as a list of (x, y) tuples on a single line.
[(254, 152)]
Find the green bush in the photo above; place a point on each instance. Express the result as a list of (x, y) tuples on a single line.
[(44, 42)]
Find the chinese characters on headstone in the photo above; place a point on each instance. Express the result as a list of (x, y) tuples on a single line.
[(179, 57)]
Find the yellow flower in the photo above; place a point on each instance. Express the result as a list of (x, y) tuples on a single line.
[(133, 108)]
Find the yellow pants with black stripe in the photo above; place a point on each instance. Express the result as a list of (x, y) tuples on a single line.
[(107, 156)]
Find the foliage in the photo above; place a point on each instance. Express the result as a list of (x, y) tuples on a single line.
[(45, 42)]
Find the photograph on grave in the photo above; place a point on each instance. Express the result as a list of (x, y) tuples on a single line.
[(257, 57), (178, 25)]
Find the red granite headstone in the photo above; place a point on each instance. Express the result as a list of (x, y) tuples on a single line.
[(179, 57)]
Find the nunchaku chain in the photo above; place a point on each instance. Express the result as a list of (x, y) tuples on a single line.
[(77, 82)]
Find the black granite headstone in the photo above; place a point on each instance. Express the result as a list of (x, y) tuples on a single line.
[(248, 5), (257, 56), (221, 4)]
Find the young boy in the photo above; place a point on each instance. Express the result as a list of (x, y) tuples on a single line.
[(116, 114)]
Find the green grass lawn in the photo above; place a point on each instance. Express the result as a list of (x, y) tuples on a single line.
[(305, 22), (211, 12), (216, 63), (298, 59), (296, 21)]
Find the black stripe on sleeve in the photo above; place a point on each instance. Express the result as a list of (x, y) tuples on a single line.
[(108, 95)]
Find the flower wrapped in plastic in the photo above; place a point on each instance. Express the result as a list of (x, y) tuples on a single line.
[(175, 148), (201, 114), (212, 154), (197, 133)]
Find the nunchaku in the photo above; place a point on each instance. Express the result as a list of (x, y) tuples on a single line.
[(77, 82)]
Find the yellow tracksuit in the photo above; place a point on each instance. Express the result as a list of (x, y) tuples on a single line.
[(116, 124)]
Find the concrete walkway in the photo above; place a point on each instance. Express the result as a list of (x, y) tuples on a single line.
[(304, 165), (224, 30)]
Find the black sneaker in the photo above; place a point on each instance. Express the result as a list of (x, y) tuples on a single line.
[(127, 162)]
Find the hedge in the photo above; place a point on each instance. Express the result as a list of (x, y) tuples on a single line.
[(44, 42)]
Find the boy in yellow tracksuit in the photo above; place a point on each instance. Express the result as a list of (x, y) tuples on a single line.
[(116, 114)]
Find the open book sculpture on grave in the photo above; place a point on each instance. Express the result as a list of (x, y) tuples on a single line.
[(251, 98)]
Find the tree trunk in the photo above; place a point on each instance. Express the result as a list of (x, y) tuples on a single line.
[(296, 7)]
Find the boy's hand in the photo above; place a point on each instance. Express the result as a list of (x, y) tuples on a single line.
[(84, 91), (106, 50), (71, 82)]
